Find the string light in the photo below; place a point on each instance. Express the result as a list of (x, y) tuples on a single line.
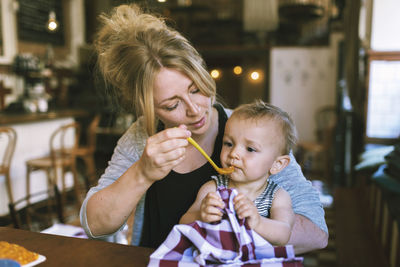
[(237, 70), (215, 73), (255, 75)]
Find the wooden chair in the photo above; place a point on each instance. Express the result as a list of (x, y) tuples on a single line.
[(63, 144), (86, 152), (38, 216), (8, 134)]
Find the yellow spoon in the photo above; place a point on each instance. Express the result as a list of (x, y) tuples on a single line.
[(218, 169)]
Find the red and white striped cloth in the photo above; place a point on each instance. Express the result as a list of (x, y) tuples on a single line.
[(229, 242)]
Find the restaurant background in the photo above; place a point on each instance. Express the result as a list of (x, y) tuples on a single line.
[(332, 64)]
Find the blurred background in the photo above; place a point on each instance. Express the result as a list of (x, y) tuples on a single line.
[(334, 65)]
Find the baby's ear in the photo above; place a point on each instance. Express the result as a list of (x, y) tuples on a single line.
[(279, 164)]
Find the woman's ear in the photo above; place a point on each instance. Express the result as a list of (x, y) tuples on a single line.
[(279, 164)]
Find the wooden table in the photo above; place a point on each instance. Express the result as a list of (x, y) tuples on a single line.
[(68, 251)]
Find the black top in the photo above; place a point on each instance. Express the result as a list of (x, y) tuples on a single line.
[(168, 199)]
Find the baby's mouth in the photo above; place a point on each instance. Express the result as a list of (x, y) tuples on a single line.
[(232, 165)]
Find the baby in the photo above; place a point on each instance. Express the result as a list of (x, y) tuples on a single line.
[(257, 141)]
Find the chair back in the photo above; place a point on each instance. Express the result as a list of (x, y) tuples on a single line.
[(39, 215), (63, 145), (64, 141), (8, 140), (92, 133)]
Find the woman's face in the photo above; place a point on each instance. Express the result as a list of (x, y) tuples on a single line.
[(177, 101)]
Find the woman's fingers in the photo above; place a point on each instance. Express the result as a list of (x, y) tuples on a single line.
[(168, 145), (163, 151), (171, 147), (170, 134)]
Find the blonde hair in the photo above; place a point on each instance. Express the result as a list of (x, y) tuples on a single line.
[(133, 46), (259, 110)]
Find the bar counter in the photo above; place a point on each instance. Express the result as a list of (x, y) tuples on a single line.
[(17, 118), (69, 251)]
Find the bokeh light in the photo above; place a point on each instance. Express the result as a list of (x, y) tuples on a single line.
[(215, 73), (237, 70)]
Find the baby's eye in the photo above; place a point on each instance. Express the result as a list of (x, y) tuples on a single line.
[(250, 149), (228, 144)]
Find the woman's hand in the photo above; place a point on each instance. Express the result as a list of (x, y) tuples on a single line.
[(210, 209), (163, 151), (245, 208), (110, 207)]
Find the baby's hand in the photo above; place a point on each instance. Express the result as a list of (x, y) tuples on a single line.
[(210, 208), (245, 208)]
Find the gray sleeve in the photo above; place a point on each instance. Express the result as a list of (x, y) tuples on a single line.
[(128, 150), (305, 198)]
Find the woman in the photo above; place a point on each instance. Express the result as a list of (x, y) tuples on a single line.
[(153, 172)]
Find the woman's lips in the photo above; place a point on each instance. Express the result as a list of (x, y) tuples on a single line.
[(199, 123)]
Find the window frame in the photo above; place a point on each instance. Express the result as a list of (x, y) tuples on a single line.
[(9, 31), (377, 56)]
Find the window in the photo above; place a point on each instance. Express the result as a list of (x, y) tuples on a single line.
[(383, 97)]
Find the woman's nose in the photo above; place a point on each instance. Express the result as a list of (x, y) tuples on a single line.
[(192, 108)]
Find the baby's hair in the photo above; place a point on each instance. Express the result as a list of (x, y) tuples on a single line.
[(259, 109)]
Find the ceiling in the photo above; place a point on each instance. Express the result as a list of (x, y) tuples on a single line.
[(221, 22)]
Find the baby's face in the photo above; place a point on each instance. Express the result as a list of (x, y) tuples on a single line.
[(251, 146)]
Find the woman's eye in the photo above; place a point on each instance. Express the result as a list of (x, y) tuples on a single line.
[(170, 108), (250, 149), (195, 91)]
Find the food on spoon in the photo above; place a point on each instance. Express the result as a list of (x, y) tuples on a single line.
[(218, 169), (17, 253)]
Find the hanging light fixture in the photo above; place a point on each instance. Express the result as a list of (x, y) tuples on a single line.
[(52, 23), (303, 9), (261, 17)]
